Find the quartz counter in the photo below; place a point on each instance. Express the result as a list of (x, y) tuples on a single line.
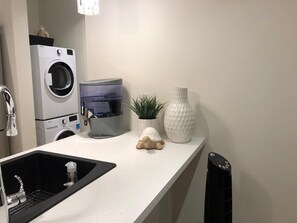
[(130, 191)]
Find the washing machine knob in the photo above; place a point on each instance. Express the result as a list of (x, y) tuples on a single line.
[(63, 121), (59, 52)]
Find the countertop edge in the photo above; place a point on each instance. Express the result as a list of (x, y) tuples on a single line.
[(157, 199)]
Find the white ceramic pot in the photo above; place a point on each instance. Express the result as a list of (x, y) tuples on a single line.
[(144, 123), (179, 118)]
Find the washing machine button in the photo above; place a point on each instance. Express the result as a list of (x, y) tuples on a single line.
[(64, 121), (59, 52)]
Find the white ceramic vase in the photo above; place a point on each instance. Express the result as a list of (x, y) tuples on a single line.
[(144, 123), (179, 119)]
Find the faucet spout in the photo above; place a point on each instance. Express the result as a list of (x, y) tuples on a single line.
[(18, 197), (11, 127)]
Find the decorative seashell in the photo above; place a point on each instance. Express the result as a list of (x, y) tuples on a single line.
[(152, 133), (42, 32), (150, 139)]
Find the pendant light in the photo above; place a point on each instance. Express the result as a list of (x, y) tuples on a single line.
[(88, 7)]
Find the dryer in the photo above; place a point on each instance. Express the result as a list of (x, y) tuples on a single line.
[(55, 129), (54, 81)]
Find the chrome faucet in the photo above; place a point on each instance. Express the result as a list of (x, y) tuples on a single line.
[(18, 197), (11, 130)]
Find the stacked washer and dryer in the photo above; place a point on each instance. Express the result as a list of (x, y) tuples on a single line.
[(55, 93)]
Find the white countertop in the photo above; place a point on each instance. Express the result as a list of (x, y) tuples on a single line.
[(130, 191)]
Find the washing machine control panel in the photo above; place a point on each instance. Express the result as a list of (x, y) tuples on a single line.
[(68, 52), (66, 120)]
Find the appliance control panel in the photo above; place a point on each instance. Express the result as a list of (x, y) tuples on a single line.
[(218, 161)]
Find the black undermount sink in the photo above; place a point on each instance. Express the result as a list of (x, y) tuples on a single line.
[(43, 175)]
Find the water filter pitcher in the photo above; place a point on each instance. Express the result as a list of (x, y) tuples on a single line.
[(101, 106)]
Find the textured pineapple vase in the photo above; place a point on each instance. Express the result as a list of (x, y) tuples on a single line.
[(179, 119)]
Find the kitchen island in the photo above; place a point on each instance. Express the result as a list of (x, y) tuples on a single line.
[(130, 191)]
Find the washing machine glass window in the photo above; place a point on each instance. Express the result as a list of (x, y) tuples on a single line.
[(59, 79), (64, 134)]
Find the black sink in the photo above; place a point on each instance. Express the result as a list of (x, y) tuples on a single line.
[(43, 175)]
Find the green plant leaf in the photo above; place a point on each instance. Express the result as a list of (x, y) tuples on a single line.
[(146, 106)]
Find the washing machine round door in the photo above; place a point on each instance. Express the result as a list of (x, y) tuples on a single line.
[(64, 134), (59, 79)]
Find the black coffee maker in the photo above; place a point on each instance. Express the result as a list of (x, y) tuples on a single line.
[(218, 194)]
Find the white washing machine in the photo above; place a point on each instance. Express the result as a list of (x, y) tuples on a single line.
[(58, 128), (54, 81)]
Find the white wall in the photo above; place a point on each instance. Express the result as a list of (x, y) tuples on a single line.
[(17, 70), (238, 59), (33, 16)]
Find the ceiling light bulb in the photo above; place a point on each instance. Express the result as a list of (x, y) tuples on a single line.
[(88, 7)]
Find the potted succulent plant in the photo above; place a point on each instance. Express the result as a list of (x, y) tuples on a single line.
[(146, 107)]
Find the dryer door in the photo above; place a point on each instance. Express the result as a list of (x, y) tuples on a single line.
[(59, 79), (64, 134)]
